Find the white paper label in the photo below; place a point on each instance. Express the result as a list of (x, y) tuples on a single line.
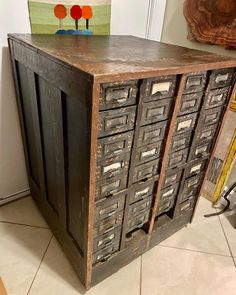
[(195, 168), (169, 193), (148, 153), (161, 87), (112, 167), (142, 192), (221, 78), (184, 124)]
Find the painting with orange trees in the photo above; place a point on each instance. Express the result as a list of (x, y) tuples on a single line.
[(73, 17)]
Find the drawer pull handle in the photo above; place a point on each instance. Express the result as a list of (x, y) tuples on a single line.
[(121, 100), (117, 126), (140, 224), (112, 192), (118, 151), (148, 175), (108, 243), (106, 257), (109, 229), (111, 213)]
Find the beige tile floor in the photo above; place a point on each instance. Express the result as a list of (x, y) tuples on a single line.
[(197, 260)]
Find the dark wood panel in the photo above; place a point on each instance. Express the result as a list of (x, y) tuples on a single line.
[(53, 145)]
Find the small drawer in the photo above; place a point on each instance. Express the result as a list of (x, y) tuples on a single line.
[(185, 123), (138, 221), (108, 224), (113, 166), (184, 207), (206, 133), (114, 145), (195, 168), (172, 177), (190, 103), (145, 171), (216, 98), (221, 78), (165, 206), (106, 253), (140, 207), (200, 150), (107, 239), (142, 190), (148, 153), (160, 87), (156, 111), (192, 183), (114, 95), (181, 141), (151, 133), (211, 116), (195, 82), (108, 208), (169, 192), (116, 121), (177, 159), (108, 187)]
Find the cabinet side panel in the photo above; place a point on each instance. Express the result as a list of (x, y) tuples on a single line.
[(78, 159), (50, 99)]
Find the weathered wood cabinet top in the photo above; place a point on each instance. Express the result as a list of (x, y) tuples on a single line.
[(110, 58), (118, 133)]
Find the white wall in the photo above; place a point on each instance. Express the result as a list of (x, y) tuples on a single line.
[(13, 179)]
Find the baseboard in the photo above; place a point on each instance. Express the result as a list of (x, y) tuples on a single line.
[(13, 197)]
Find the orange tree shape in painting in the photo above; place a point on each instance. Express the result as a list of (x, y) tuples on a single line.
[(60, 12), (76, 14), (87, 13)]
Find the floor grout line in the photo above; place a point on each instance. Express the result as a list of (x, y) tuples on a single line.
[(231, 253), (40, 265), (141, 275), (24, 224), (198, 251)]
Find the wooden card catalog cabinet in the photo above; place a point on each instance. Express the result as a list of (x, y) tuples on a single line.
[(118, 134)]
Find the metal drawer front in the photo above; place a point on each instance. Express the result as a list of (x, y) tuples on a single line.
[(107, 239), (109, 187), (108, 224), (200, 150), (221, 78), (211, 116), (165, 206), (113, 95), (106, 253), (160, 87), (140, 207), (177, 159), (216, 98), (169, 192), (138, 221), (113, 166), (116, 121), (156, 111), (181, 141), (108, 208), (146, 170), (206, 133), (195, 168), (195, 82), (185, 207), (190, 103), (142, 190), (172, 177), (185, 123), (114, 145), (148, 153), (152, 133)]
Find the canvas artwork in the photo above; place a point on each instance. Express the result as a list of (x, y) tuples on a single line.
[(70, 17)]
